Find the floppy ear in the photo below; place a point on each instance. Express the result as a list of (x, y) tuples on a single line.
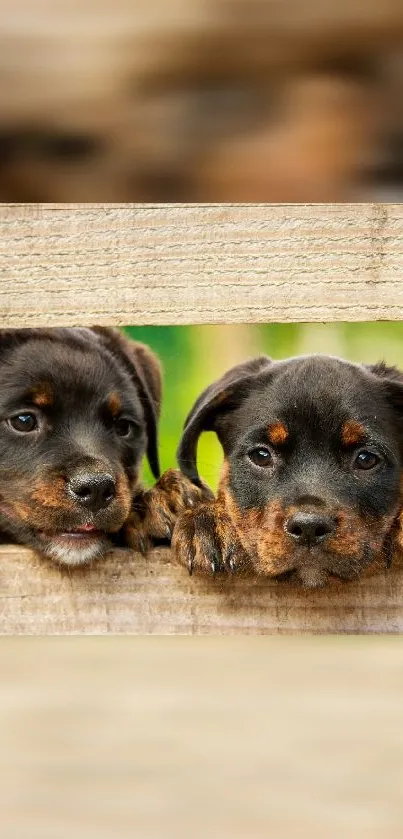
[(144, 369), (11, 338), (392, 380), (7, 340), (219, 398)]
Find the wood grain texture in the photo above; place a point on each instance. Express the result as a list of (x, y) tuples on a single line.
[(125, 593), (179, 264)]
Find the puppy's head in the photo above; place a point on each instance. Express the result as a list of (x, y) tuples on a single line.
[(313, 457), (78, 410)]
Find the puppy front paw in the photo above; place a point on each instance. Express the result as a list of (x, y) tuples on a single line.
[(205, 540), (155, 511)]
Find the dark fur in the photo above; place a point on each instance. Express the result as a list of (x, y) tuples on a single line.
[(312, 471), (87, 380)]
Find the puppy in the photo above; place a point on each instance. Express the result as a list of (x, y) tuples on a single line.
[(78, 411), (311, 482)]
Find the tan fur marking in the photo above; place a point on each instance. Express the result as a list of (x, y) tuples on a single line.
[(352, 433), (114, 404), (42, 395), (224, 481), (22, 510), (278, 433), (123, 492), (260, 532), (52, 494)]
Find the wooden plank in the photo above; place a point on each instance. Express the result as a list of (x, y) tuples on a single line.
[(165, 264), (125, 593)]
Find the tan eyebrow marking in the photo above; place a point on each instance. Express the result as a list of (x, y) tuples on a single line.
[(278, 433), (42, 395), (114, 404), (352, 433)]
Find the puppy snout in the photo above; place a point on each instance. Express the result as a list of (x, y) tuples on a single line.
[(309, 528), (93, 490)]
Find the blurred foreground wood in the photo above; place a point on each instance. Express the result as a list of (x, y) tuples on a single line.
[(125, 593)]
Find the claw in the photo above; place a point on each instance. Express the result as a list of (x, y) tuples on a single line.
[(142, 545), (166, 523), (215, 561), (231, 560), (190, 566)]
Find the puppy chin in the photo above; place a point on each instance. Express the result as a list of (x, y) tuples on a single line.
[(312, 577), (68, 550)]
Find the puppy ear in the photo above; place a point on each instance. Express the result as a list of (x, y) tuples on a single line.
[(392, 380), (7, 339), (144, 369), (220, 398), (11, 338)]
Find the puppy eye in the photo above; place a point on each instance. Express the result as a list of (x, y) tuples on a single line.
[(23, 423), (123, 427), (366, 460), (261, 457)]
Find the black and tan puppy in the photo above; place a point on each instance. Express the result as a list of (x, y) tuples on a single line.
[(311, 482), (78, 411)]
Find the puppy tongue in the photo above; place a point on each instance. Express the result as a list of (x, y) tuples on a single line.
[(85, 528)]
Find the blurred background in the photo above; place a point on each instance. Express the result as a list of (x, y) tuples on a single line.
[(201, 100), (233, 738), (194, 356)]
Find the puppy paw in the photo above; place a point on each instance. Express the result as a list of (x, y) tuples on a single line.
[(155, 511), (205, 540)]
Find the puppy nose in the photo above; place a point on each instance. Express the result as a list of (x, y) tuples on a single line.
[(309, 528), (93, 490)]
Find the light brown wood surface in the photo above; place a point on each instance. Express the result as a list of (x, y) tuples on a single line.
[(244, 738), (125, 593), (161, 264)]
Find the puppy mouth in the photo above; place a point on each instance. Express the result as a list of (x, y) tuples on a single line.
[(85, 530), (81, 533), (67, 545), (77, 546)]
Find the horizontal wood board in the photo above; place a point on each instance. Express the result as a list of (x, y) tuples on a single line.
[(126, 593), (182, 264)]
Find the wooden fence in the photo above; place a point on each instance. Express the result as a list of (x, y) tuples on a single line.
[(160, 264)]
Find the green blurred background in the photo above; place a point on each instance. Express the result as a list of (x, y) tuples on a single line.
[(193, 356)]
